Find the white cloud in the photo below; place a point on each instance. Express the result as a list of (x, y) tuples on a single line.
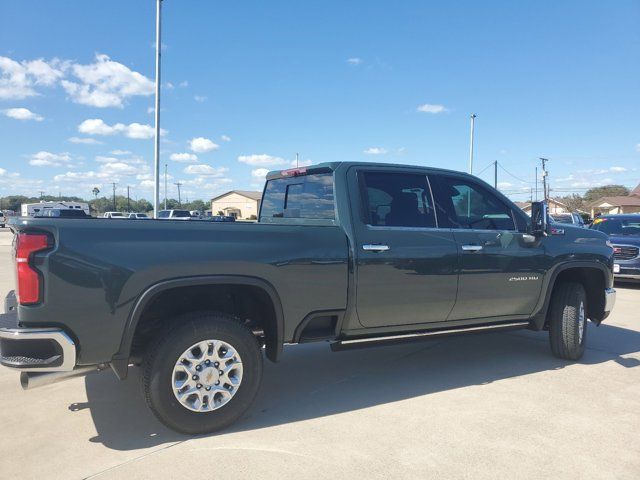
[(375, 151), (97, 126), (202, 145), (259, 173), (225, 138), (637, 147), (431, 108), (85, 140), (106, 83), (19, 79), (200, 98), (202, 169), (261, 160), (169, 86), (617, 169), (3, 172), (48, 159), (183, 157), (183, 84), (22, 114), (120, 152), (504, 185), (355, 61)]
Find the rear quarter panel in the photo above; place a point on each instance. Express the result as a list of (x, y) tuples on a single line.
[(99, 268)]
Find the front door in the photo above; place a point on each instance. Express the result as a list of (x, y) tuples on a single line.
[(406, 266), (501, 270)]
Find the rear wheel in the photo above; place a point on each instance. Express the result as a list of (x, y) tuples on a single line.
[(568, 321), (202, 375)]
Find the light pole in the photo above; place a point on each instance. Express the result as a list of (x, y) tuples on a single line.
[(178, 184), (156, 151), (473, 121)]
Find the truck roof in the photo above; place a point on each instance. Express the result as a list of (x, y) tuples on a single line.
[(332, 166)]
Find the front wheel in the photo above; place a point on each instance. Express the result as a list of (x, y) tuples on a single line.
[(568, 321), (203, 374)]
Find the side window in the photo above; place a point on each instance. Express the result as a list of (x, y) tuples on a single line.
[(464, 204), (396, 199), (307, 196)]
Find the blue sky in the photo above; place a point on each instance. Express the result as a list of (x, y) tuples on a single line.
[(246, 85)]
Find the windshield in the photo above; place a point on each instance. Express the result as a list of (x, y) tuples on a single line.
[(617, 226), (181, 213), (117, 214), (562, 218)]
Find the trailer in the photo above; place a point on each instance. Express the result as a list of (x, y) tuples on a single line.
[(35, 209)]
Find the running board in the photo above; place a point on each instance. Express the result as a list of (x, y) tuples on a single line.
[(412, 337)]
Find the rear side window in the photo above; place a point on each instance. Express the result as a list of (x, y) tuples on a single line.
[(302, 197), (396, 200)]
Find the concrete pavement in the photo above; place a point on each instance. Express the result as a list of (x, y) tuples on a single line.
[(488, 406)]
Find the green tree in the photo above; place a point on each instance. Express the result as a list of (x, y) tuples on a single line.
[(605, 191)]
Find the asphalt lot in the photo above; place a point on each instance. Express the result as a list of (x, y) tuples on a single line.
[(488, 406)]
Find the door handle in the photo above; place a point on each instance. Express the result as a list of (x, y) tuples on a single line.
[(375, 248), (471, 248)]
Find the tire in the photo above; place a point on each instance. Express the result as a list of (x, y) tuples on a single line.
[(568, 321), (160, 370)]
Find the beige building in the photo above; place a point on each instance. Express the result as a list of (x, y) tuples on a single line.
[(242, 204), (621, 204)]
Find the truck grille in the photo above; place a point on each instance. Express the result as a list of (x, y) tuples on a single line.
[(625, 252)]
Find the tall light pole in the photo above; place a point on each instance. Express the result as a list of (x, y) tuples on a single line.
[(156, 151), (473, 121), (545, 184), (165, 186)]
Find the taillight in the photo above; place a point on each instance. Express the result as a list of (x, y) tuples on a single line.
[(28, 284)]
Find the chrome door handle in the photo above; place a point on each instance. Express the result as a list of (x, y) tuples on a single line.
[(471, 248), (375, 248)]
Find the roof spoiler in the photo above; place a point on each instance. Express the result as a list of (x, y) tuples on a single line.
[(300, 171)]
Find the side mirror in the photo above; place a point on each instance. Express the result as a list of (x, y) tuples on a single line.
[(539, 218)]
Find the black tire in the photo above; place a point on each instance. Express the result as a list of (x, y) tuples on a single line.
[(564, 321), (165, 351)]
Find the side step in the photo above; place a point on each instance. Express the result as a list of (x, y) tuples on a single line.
[(428, 335)]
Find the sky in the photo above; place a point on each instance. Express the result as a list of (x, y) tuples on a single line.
[(247, 85)]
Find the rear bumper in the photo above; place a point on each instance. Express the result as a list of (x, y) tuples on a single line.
[(34, 349)]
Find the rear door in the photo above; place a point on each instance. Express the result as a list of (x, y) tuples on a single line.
[(500, 273), (406, 265)]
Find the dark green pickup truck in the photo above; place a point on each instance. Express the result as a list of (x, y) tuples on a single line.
[(356, 254)]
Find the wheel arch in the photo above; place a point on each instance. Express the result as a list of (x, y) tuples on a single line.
[(274, 343), (594, 276)]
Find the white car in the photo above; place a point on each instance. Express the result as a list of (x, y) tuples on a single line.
[(113, 215), (174, 215), (138, 216)]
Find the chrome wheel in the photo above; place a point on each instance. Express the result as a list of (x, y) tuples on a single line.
[(581, 322), (207, 375)]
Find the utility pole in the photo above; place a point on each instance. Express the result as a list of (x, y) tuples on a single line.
[(41, 194), (473, 121), (165, 186), (128, 200), (536, 184), (495, 174), (178, 184), (114, 195), (545, 182), (297, 161), (156, 150)]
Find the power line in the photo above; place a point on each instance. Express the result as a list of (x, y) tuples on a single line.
[(514, 176)]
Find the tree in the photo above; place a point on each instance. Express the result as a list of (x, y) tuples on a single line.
[(573, 201), (605, 191), (95, 191)]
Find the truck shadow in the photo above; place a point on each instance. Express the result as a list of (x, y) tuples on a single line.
[(312, 382)]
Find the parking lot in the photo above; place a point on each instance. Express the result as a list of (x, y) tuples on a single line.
[(488, 406)]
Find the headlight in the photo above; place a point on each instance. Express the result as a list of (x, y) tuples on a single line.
[(608, 243)]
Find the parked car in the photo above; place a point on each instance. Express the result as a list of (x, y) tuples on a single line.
[(138, 216), (221, 218), (63, 213), (174, 215), (624, 234), (358, 254), (3, 220), (118, 215), (572, 218)]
